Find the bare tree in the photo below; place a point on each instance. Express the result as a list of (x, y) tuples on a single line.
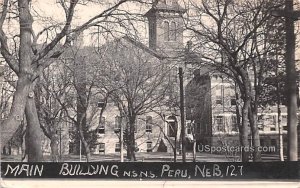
[(140, 81), (80, 102), (226, 31), (54, 85), (31, 59)]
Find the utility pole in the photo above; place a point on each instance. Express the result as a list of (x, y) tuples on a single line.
[(291, 84), (182, 115), (291, 81)]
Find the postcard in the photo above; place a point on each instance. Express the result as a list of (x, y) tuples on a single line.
[(160, 91)]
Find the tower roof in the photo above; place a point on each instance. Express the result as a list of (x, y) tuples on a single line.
[(158, 6)]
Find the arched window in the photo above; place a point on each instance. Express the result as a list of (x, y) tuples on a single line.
[(173, 31), (166, 31)]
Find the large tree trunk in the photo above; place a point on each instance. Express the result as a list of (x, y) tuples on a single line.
[(10, 125), (33, 132)]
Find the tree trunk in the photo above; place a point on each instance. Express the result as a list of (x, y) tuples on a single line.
[(121, 142), (10, 125), (132, 138), (85, 144), (175, 144), (128, 143), (175, 154), (87, 150), (54, 148), (128, 149), (255, 134), (82, 104), (244, 131), (33, 132)]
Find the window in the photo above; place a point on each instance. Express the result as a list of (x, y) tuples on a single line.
[(273, 142), (166, 31), (270, 120), (234, 124), (219, 100), (101, 127), (118, 121), (172, 129), (260, 122), (118, 147), (233, 101), (173, 31), (274, 119), (149, 124), (219, 122), (273, 129), (285, 128), (149, 146), (284, 119), (102, 147)]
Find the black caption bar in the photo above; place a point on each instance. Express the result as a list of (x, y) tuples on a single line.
[(153, 170)]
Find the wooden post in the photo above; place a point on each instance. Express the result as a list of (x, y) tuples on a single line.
[(291, 84)]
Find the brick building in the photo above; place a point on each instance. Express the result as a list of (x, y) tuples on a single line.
[(211, 106), (153, 132)]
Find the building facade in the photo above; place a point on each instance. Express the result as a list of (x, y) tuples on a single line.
[(212, 107)]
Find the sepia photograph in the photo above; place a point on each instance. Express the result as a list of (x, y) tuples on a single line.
[(164, 90)]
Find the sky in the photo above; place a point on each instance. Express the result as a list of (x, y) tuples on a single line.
[(48, 12), (82, 14)]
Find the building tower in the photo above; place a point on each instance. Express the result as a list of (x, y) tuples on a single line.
[(165, 26)]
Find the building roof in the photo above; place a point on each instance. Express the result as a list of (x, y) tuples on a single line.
[(159, 55)]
